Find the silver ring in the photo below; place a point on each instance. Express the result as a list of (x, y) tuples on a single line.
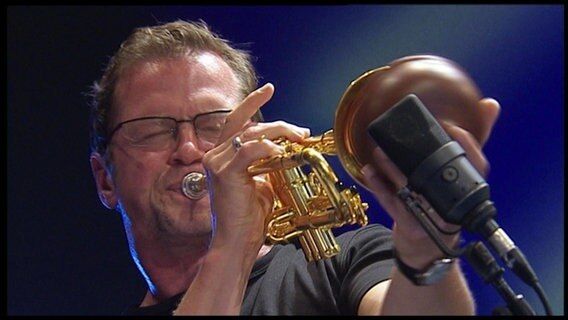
[(237, 143)]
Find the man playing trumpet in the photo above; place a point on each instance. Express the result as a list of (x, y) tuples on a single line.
[(175, 99)]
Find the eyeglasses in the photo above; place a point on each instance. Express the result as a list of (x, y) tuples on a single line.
[(157, 133)]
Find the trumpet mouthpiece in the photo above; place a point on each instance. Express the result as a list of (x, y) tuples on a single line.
[(194, 185)]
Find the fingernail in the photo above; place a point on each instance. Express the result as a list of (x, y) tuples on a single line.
[(264, 87)]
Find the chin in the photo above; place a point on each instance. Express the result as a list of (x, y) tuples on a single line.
[(195, 218)]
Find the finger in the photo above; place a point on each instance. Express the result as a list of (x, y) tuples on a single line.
[(253, 150), (490, 109), (383, 190), (245, 110), (274, 130), (237, 161), (471, 147), (265, 190), (376, 181), (388, 169)]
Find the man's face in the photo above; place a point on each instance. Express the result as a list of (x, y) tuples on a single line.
[(148, 182)]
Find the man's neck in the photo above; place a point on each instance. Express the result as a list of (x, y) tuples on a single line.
[(168, 282)]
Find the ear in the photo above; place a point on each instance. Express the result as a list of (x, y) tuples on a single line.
[(103, 179)]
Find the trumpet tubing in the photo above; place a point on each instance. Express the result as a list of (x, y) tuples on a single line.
[(308, 205), (285, 224)]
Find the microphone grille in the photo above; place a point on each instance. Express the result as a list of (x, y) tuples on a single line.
[(408, 133)]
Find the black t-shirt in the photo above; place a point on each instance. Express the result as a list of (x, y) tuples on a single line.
[(283, 283)]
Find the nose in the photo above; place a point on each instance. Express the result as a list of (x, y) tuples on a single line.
[(186, 150)]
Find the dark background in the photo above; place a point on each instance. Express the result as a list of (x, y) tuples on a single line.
[(67, 254)]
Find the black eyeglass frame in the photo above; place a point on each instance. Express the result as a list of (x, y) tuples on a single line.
[(192, 121)]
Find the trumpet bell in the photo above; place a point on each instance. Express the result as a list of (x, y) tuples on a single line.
[(441, 84)]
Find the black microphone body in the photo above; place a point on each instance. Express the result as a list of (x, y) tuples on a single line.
[(438, 169)]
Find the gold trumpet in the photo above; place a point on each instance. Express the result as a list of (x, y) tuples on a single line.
[(309, 204)]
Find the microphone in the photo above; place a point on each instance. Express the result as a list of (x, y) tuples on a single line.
[(436, 167)]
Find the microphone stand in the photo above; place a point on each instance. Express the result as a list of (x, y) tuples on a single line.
[(486, 266), (477, 255)]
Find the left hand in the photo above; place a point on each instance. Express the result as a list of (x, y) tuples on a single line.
[(240, 202), (411, 240)]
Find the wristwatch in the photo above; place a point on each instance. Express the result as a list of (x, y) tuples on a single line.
[(430, 275)]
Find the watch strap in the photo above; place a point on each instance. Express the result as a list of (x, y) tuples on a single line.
[(429, 275)]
